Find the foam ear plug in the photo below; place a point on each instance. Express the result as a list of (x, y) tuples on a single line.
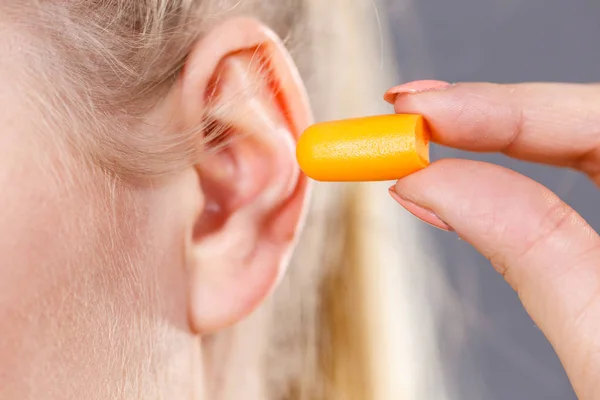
[(379, 148)]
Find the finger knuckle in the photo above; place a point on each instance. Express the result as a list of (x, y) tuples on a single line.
[(557, 216), (551, 224)]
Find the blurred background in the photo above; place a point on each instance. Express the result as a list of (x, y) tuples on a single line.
[(490, 347)]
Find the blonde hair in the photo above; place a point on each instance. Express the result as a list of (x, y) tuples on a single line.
[(109, 62), (112, 60)]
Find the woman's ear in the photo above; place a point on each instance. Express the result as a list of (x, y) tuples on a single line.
[(239, 81)]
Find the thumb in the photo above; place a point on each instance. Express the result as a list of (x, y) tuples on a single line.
[(542, 247)]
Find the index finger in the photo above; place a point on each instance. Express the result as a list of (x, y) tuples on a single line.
[(551, 123)]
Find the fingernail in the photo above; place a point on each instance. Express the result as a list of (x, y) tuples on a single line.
[(423, 214), (414, 88)]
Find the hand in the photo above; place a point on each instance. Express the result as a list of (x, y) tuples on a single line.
[(541, 246)]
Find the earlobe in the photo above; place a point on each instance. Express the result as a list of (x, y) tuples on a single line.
[(253, 189)]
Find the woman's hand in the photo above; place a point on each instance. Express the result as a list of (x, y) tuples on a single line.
[(541, 246)]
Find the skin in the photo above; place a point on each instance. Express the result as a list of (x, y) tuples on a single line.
[(541, 246), (109, 289)]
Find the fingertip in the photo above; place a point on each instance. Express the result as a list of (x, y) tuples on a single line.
[(460, 192), (415, 87), (424, 214)]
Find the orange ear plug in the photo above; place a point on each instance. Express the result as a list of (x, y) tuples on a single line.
[(379, 148)]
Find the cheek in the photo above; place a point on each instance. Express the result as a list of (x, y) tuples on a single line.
[(85, 300), (91, 294), (28, 220), (52, 298)]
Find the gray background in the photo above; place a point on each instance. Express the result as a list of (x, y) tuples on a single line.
[(501, 355)]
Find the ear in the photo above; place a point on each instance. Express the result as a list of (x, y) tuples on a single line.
[(241, 79)]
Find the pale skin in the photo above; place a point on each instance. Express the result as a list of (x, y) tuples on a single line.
[(107, 289), (541, 246)]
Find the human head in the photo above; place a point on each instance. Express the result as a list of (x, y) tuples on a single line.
[(92, 282), (153, 199)]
